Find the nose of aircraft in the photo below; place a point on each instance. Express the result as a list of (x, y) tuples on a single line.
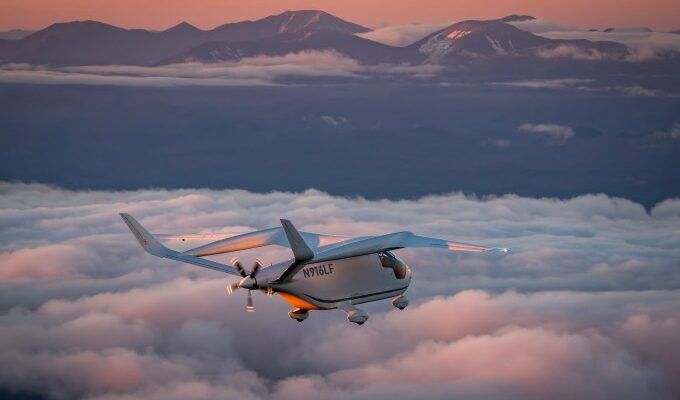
[(248, 283)]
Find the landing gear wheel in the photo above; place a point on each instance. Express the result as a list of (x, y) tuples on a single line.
[(298, 314)]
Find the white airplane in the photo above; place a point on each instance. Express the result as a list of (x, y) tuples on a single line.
[(326, 271)]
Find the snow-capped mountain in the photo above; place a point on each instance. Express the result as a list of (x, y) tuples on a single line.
[(475, 39)]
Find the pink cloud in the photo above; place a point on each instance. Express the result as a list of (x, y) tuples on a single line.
[(105, 321)]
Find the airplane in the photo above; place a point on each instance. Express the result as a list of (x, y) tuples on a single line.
[(326, 272)]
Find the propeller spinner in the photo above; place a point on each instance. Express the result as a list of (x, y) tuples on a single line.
[(248, 282)]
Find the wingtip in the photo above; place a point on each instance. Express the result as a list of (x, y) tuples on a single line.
[(498, 250)]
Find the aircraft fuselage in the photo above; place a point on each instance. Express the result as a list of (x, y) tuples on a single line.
[(325, 285)]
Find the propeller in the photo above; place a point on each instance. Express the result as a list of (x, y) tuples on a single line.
[(248, 281)]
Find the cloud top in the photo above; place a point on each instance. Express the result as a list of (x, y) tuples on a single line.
[(585, 304)]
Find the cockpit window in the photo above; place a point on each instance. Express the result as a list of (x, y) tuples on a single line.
[(389, 260)]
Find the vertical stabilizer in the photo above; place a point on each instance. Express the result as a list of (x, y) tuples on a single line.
[(300, 248)]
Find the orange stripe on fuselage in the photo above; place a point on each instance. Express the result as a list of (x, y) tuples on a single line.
[(297, 302)]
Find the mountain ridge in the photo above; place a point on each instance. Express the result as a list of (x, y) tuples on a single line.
[(95, 43)]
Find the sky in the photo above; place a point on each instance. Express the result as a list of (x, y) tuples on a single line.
[(160, 14), (585, 305)]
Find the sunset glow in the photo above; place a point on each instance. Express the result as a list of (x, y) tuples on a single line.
[(339, 199), (154, 14)]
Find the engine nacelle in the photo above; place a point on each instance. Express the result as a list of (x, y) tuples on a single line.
[(400, 301), (298, 314)]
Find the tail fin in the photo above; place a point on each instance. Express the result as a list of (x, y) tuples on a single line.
[(145, 239), (300, 248), (151, 245)]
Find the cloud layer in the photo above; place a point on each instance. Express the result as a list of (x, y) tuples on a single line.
[(636, 38), (402, 35), (558, 134), (252, 71), (585, 304)]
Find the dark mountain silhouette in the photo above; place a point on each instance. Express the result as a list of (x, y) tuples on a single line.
[(289, 22), (87, 42), (517, 18), (91, 42), (366, 51), (15, 34)]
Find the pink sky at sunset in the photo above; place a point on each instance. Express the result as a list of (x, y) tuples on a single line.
[(660, 15)]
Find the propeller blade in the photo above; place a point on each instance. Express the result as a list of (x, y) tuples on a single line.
[(239, 267), (250, 307), (232, 287), (256, 267)]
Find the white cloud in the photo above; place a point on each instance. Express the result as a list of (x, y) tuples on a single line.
[(673, 133), (639, 91), (402, 35), (86, 313), (564, 83), (253, 71), (333, 121), (572, 52), (540, 26), (559, 134), (647, 42), (587, 85)]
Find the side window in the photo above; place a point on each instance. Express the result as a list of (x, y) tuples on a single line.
[(388, 260)]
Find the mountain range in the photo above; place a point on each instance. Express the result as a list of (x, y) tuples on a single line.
[(96, 43)]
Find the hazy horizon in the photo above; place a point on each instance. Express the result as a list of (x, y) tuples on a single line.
[(660, 15)]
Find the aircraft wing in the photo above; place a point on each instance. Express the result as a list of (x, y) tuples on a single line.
[(152, 246), (392, 241), (305, 245), (196, 236), (264, 237)]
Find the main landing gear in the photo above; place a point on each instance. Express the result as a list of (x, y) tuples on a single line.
[(353, 314), (298, 314), (400, 301)]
